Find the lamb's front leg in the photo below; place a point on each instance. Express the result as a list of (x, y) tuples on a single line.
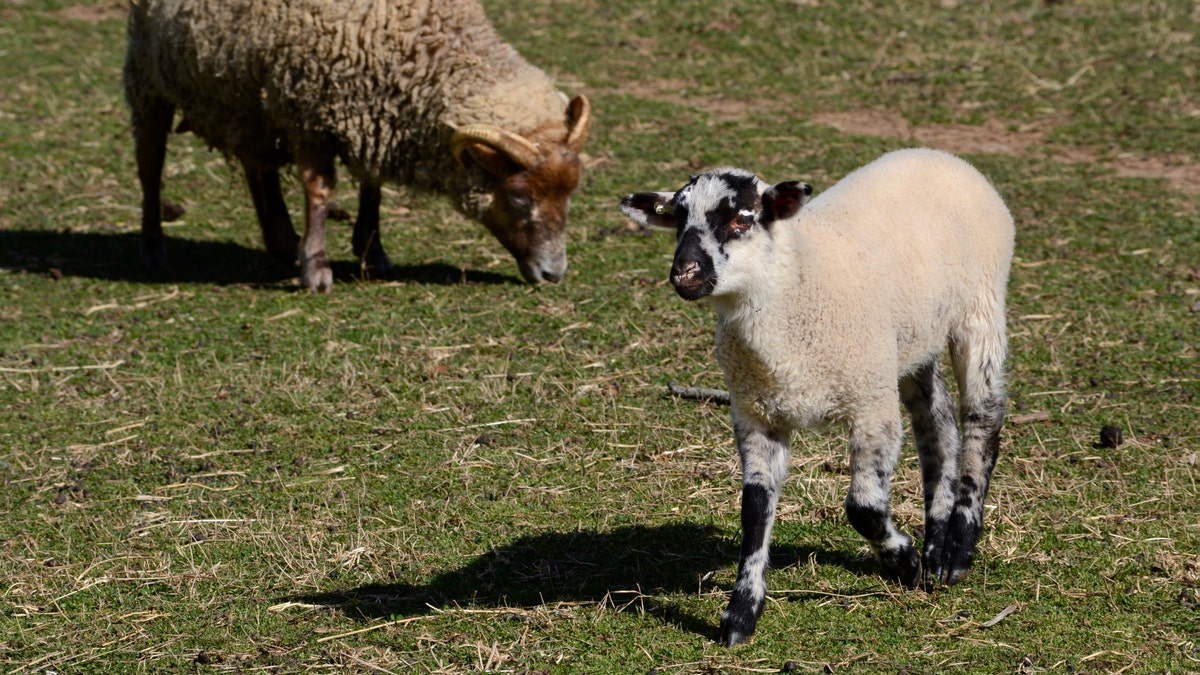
[(764, 453), (874, 448)]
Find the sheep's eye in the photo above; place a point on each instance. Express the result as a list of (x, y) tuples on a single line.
[(520, 200)]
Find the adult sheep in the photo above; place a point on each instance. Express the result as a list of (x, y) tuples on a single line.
[(423, 93), (836, 310)]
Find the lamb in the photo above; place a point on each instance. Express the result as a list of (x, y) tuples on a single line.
[(835, 310), (416, 93)]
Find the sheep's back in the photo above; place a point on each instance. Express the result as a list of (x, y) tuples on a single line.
[(371, 80)]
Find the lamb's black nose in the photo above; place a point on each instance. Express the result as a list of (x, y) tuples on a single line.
[(683, 272)]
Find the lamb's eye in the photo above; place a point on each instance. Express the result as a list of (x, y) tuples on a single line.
[(738, 226)]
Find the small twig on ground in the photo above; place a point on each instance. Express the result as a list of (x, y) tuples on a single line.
[(397, 622), (1000, 616), (719, 396)]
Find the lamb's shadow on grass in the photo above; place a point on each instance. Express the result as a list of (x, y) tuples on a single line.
[(114, 256), (621, 567)]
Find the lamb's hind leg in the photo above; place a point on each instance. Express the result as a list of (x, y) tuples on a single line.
[(874, 448), (978, 356), (764, 454), (936, 434)]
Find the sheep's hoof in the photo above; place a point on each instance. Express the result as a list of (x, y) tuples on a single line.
[(153, 250), (948, 560), (957, 567), (740, 619), (283, 249), (945, 574), (735, 631), (958, 552), (376, 265), (315, 274), (903, 565)]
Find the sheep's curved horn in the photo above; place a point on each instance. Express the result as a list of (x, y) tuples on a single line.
[(579, 118), (518, 149)]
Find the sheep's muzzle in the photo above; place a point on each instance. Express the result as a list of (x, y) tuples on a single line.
[(690, 279)]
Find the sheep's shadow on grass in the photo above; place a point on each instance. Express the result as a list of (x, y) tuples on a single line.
[(628, 568), (114, 256)]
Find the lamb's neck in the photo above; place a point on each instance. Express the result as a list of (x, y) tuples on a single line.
[(778, 297), (749, 317)]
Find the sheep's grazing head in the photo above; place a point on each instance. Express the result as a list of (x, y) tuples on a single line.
[(722, 218), (522, 189)]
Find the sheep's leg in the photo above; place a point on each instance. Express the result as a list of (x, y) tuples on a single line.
[(936, 434), (874, 448), (317, 173), (764, 453), (978, 357), (367, 246), (278, 235), (151, 127)]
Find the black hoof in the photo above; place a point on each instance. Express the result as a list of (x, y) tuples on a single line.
[(153, 250), (735, 631), (903, 565), (285, 252), (376, 265), (740, 618), (947, 561)]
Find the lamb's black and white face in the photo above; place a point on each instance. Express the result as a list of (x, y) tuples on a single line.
[(718, 218)]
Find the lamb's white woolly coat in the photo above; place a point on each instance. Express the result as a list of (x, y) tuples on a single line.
[(836, 310), (863, 284)]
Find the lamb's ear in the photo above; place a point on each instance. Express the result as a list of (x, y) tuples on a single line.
[(783, 200), (650, 208)]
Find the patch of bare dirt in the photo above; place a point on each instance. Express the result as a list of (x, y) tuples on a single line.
[(997, 137), (676, 91), (109, 11), (1181, 172)]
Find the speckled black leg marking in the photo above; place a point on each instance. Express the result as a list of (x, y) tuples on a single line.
[(764, 454), (936, 435), (749, 596), (873, 452), (966, 523), (977, 352)]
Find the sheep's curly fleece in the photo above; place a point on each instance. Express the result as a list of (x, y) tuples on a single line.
[(380, 83)]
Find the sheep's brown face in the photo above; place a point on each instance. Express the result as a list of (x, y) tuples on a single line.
[(715, 216), (528, 214), (520, 187)]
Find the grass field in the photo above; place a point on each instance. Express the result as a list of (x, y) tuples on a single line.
[(450, 471)]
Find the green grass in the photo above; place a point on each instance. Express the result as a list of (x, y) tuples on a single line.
[(451, 471)]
